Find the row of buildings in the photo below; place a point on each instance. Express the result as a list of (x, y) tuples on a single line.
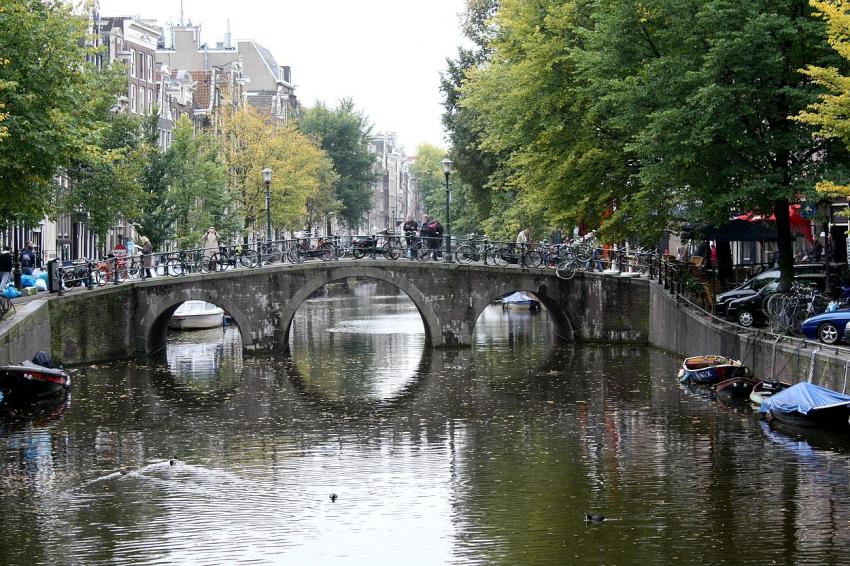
[(172, 73)]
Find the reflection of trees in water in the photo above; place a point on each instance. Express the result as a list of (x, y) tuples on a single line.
[(357, 340)]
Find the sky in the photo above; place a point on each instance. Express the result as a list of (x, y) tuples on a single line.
[(386, 55)]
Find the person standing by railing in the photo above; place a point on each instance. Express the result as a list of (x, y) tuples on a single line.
[(409, 227), (5, 266), (147, 257)]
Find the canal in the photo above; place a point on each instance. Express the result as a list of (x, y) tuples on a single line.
[(489, 455)]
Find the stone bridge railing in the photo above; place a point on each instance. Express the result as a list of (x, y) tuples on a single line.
[(126, 320)]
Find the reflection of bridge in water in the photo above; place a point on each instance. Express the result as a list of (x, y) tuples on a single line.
[(263, 302)]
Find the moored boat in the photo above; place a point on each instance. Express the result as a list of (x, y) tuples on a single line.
[(809, 405), (195, 315), (520, 300), (31, 381), (764, 389), (707, 370), (735, 388)]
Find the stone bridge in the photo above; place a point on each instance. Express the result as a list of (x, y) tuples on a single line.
[(131, 319)]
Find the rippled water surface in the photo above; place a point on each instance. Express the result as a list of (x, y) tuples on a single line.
[(490, 455)]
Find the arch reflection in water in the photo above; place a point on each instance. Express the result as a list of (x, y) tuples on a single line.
[(502, 333), (357, 340), (201, 363)]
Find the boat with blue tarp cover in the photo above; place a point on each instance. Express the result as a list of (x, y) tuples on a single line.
[(520, 300), (707, 370), (808, 405)]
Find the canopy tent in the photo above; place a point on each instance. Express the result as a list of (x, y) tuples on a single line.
[(738, 230), (799, 223)]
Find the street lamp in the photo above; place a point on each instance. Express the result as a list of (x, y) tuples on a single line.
[(267, 179), (447, 170)]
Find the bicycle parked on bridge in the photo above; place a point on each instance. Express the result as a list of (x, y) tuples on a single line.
[(185, 262), (362, 246), (303, 249), (232, 257), (475, 248)]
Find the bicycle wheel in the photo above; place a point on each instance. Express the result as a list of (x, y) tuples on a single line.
[(565, 269), (327, 251), (419, 250), (391, 252), (533, 259), (583, 252), (248, 258), (297, 254), (358, 251), (273, 255), (501, 255), (464, 253), (772, 304), (174, 267)]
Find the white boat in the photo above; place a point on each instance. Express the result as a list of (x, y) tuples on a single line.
[(193, 315), (520, 300)]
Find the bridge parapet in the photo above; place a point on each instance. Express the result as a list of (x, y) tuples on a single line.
[(131, 319)]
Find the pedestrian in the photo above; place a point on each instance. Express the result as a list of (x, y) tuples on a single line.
[(27, 259), (147, 257), (5, 267), (522, 237), (436, 231), (410, 227), (210, 242), (594, 263), (424, 230)]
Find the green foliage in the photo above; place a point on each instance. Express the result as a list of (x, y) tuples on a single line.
[(343, 134), (626, 114), (302, 174), (51, 104)]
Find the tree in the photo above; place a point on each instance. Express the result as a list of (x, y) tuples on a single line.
[(430, 181), (198, 192), (105, 179), (50, 100), (156, 216), (343, 133), (301, 171), (473, 165), (831, 113)]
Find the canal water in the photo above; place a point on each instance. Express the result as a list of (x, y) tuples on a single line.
[(489, 455)]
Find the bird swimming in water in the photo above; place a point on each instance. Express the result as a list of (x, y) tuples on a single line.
[(172, 462), (333, 497), (593, 518)]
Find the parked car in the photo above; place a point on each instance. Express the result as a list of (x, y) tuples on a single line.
[(757, 283), (828, 327), (749, 310)]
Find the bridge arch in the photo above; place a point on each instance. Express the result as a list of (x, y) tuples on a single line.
[(430, 320), (155, 322), (562, 322)]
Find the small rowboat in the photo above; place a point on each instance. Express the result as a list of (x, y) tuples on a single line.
[(707, 370), (735, 388), (196, 315), (809, 405), (764, 389), (32, 382)]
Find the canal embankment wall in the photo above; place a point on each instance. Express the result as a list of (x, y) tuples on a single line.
[(85, 328), (678, 326)]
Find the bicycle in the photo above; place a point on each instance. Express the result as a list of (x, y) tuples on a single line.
[(474, 249), (187, 262), (231, 258), (300, 249), (567, 267), (270, 252), (361, 246), (6, 307)]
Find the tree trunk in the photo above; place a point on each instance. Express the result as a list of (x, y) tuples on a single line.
[(784, 243)]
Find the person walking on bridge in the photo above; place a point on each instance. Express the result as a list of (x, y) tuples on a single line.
[(147, 257)]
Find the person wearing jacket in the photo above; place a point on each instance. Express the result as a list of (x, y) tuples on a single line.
[(27, 259), (5, 267)]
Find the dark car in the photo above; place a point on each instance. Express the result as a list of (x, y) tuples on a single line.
[(749, 288), (749, 310), (755, 284)]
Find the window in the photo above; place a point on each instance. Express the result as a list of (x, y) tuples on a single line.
[(150, 101), (132, 62), (150, 68), (133, 98)]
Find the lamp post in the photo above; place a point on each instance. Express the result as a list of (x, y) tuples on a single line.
[(267, 179), (447, 170)]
